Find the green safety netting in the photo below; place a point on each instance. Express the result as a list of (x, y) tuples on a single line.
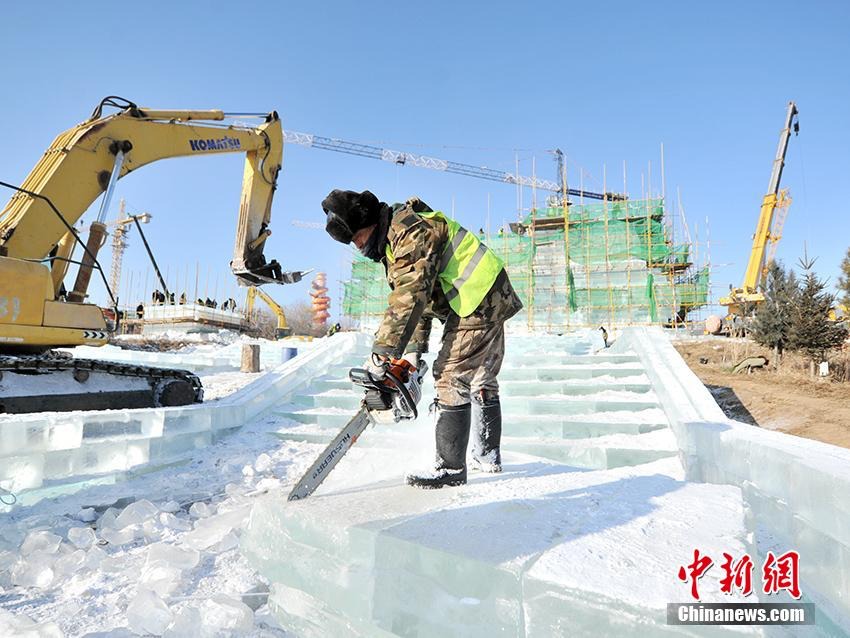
[(623, 268)]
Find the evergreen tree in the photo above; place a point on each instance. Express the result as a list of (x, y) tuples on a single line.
[(844, 280), (772, 324), (811, 330)]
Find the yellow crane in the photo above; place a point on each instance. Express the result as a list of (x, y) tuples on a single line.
[(774, 208), (282, 327), (37, 239)]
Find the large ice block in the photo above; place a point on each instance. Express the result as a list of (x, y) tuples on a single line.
[(367, 557), (475, 562)]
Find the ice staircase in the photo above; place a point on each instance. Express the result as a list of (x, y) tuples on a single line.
[(582, 534), (570, 405)]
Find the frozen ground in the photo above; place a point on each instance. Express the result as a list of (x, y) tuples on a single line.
[(181, 542), (203, 353), (606, 492)]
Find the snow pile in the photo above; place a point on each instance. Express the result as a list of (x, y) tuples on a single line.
[(157, 556), (21, 626), (220, 337)]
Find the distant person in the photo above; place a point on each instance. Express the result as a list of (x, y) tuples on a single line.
[(604, 335), (183, 299), (140, 311)]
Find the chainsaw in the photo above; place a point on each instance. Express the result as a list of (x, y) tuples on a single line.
[(390, 398)]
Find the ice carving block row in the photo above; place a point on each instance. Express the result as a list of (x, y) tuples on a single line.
[(797, 490), (369, 556), (65, 447), (532, 552)]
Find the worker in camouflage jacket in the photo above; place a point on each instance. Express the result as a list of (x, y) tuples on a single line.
[(437, 269)]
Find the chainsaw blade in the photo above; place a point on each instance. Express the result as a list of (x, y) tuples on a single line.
[(331, 455)]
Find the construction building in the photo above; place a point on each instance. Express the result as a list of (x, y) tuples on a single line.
[(625, 268)]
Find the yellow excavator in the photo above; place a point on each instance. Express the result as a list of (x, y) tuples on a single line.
[(741, 302), (38, 238), (282, 329)]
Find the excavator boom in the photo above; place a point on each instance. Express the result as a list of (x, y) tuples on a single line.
[(76, 169)]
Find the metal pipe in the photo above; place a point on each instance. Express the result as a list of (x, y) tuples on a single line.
[(153, 261), (59, 266), (110, 188), (185, 116), (97, 237)]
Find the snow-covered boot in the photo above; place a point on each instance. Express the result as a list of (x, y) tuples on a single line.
[(487, 436), (452, 435)]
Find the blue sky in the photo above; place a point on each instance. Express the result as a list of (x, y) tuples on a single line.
[(474, 82)]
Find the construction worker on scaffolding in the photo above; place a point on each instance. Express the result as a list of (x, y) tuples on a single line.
[(437, 269)]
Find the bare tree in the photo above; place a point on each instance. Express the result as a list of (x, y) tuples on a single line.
[(299, 317), (263, 324)]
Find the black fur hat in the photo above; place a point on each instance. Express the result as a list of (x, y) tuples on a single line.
[(349, 211)]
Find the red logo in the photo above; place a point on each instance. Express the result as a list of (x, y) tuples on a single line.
[(782, 572), (695, 571), (738, 575), (778, 573)]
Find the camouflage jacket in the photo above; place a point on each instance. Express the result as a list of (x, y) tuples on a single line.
[(416, 297)]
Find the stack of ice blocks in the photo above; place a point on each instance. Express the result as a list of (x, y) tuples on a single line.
[(45, 454), (591, 513)]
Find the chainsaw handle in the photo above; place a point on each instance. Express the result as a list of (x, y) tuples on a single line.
[(394, 381), (401, 388)]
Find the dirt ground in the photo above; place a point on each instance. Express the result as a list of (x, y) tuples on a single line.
[(788, 399)]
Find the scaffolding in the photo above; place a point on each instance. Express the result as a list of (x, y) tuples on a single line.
[(611, 263)]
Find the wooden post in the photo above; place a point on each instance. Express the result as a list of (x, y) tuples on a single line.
[(250, 357)]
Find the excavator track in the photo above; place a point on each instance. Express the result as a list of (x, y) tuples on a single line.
[(56, 382)]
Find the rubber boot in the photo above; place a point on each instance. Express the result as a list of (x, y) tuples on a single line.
[(487, 436), (452, 436)]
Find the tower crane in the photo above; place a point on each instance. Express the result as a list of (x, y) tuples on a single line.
[(401, 158), (119, 244)]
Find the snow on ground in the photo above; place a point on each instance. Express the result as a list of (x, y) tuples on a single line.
[(87, 562), (217, 386), (158, 554), (218, 337)]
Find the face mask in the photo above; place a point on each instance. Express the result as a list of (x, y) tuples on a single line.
[(337, 228)]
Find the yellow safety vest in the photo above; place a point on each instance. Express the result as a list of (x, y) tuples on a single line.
[(467, 268)]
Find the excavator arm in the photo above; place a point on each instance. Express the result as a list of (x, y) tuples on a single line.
[(85, 162), (77, 167)]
